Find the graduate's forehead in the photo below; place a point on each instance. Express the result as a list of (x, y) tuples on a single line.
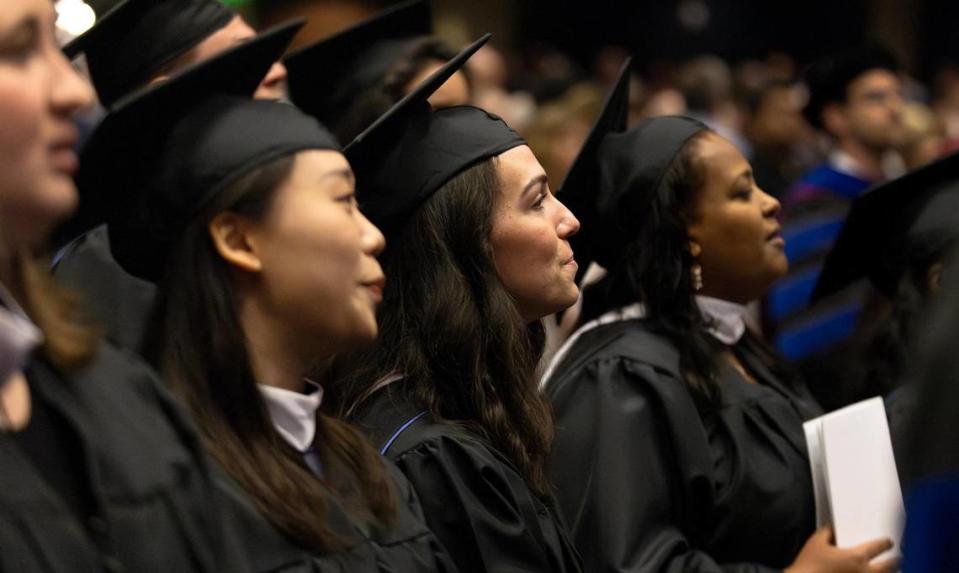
[(518, 167)]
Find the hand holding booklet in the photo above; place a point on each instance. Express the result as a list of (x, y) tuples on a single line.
[(855, 481)]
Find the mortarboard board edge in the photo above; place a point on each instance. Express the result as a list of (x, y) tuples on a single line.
[(422, 92)]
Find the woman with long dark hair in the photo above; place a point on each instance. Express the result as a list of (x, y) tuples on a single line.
[(680, 444), (243, 212), (477, 254), (99, 468)]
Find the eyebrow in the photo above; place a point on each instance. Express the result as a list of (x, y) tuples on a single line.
[(746, 174), (29, 23), (344, 173), (539, 180)]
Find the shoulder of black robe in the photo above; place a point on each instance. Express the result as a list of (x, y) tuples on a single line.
[(474, 499), (38, 532), (644, 476), (119, 303), (408, 546), (156, 507)]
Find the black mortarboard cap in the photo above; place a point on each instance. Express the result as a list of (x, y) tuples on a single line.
[(410, 152), (326, 77), (888, 228), (164, 153), (580, 190), (135, 39), (828, 79), (632, 166)]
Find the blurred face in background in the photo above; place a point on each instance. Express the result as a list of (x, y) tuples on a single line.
[(778, 123), (872, 114), (39, 96), (273, 86), (456, 90)]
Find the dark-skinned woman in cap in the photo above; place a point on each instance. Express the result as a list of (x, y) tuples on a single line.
[(680, 444)]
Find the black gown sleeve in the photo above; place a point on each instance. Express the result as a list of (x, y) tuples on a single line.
[(477, 505), (631, 466), (203, 511)]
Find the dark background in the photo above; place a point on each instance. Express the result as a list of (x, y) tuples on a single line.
[(923, 33)]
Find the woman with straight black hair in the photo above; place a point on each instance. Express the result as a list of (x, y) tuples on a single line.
[(680, 444), (478, 254), (244, 214)]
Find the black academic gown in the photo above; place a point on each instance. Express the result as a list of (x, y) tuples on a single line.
[(109, 476), (475, 500), (651, 482), (119, 302), (407, 545)]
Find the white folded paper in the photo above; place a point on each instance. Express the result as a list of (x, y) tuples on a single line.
[(854, 475)]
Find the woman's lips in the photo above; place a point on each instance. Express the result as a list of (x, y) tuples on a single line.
[(65, 161), (375, 288), (776, 239), (63, 155)]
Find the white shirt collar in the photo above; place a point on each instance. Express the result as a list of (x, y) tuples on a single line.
[(293, 413), (724, 320), (842, 161), (18, 336)]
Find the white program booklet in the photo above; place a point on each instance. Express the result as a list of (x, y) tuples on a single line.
[(854, 475)]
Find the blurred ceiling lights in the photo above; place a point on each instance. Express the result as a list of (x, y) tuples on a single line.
[(74, 16)]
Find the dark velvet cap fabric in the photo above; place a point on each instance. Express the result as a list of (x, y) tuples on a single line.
[(580, 189), (164, 153), (325, 77), (412, 151), (893, 227), (133, 41), (631, 167)]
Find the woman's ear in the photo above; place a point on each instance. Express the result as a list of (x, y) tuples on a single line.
[(232, 237)]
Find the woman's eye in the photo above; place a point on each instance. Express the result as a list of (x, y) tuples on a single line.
[(348, 200), (538, 205)]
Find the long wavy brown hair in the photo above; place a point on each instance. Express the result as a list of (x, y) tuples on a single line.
[(448, 325), (197, 341)]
